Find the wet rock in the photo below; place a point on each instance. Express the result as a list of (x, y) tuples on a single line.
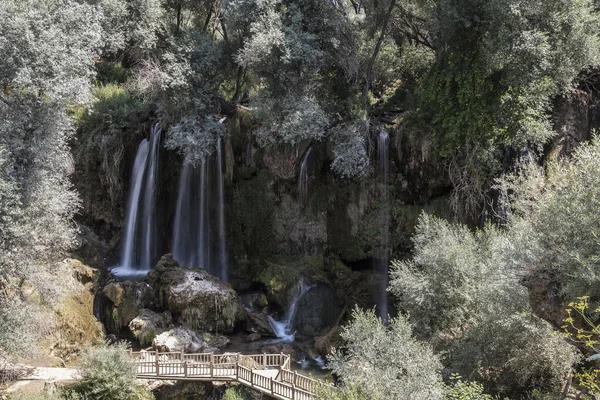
[(196, 298), (179, 339), (255, 300), (148, 324), (317, 310), (125, 300), (258, 323), (253, 337)]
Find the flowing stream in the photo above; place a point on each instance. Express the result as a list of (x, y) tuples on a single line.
[(284, 329)]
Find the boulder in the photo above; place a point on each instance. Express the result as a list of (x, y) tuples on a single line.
[(253, 337), (179, 339), (122, 302), (148, 324), (255, 300), (317, 310), (195, 298), (258, 322)]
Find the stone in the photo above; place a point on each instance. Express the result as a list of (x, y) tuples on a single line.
[(148, 324), (259, 323), (121, 302), (196, 298), (178, 339), (253, 337), (81, 272), (317, 310), (254, 300)]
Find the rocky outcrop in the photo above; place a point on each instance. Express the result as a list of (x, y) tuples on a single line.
[(179, 339), (195, 298), (316, 310), (258, 323), (148, 324), (124, 302), (83, 273)]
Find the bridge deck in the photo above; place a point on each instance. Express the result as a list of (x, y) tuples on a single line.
[(267, 373)]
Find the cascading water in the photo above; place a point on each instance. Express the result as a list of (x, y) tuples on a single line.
[(138, 252), (193, 237), (303, 179), (223, 272), (148, 255), (383, 144), (283, 328), (190, 245)]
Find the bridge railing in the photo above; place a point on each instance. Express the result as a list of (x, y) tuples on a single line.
[(245, 369)]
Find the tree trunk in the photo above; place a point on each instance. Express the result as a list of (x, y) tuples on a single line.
[(369, 72)]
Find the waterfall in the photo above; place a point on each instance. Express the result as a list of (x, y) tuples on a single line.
[(383, 144), (283, 328), (138, 248), (148, 255), (190, 246), (303, 179), (221, 210), (193, 237)]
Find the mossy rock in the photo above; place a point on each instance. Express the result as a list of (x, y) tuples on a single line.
[(196, 299), (148, 324)]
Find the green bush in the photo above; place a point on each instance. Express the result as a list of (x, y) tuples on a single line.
[(108, 373), (236, 393), (461, 390)]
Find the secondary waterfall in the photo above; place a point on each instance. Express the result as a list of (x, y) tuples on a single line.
[(223, 275), (197, 229), (140, 233), (383, 144), (283, 328), (190, 228), (303, 179)]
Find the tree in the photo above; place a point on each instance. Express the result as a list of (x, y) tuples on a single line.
[(389, 362)]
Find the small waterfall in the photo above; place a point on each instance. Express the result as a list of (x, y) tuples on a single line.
[(283, 328), (190, 245), (223, 275), (140, 235), (383, 144), (148, 255), (303, 179)]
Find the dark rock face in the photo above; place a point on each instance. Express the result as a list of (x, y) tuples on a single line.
[(317, 310), (125, 300), (195, 298), (148, 324)]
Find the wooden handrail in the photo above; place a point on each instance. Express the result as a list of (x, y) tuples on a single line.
[(285, 385)]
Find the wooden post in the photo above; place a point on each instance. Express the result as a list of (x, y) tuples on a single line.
[(212, 362), (271, 385), (156, 362), (251, 377), (295, 377), (264, 360), (185, 369)]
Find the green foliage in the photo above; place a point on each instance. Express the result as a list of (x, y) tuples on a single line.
[(461, 390), (567, 244), (350, 156), (467, 300), (498, 65), (389, 362), (349, 391), (235, 393), (108, 373)]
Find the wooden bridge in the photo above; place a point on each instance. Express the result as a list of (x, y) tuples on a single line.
[(267, 373)]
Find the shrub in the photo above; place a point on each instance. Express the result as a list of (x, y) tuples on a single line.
[(108, 373), (387, 361)]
